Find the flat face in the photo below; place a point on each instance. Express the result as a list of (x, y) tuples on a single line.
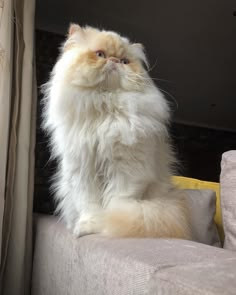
[(104, 59)]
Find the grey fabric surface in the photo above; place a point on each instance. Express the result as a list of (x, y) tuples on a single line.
[(216, 277), (91, 265), (228, 198), (202, 205)]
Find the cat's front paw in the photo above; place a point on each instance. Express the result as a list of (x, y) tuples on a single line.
[(87, 225)]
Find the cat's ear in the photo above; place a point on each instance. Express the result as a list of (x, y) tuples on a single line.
[(139, 51), (138, 45), (76, 35), (74, 28)]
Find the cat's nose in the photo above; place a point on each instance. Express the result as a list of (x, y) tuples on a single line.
[(114, 59)]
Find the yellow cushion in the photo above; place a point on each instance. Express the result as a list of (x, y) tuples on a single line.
[(191, 183)]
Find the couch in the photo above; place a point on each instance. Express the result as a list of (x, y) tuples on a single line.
[(92, 264)]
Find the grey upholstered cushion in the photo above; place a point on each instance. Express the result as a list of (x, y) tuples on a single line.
[(202, 204), (228, 198), (210, 278), (93, 265)]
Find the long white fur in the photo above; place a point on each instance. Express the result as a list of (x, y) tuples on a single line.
[(114, 156)]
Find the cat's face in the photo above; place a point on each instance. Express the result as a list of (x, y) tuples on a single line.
[(103, 60)]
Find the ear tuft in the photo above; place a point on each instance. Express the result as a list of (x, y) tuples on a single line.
[(73, 29), (139, 51), (138, 45)]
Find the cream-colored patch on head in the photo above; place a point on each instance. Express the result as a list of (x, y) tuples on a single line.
[(111, 44), (104, 60)]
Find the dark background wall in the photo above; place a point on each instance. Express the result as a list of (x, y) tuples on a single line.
[(192, 45)]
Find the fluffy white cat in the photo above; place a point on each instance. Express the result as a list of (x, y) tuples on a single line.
[(107, 124)]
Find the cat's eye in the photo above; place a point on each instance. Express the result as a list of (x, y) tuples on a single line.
[(100, 53), (124, 61)]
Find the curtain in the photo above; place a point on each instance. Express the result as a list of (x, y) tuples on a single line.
[(17, 140)]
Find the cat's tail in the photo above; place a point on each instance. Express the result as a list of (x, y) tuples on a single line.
[(160, 218)]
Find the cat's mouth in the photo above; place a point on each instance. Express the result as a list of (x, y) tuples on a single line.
[(112, 75), (111, 67)]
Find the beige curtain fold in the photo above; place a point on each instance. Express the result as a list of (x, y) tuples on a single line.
[(17, 125), (6, 47)]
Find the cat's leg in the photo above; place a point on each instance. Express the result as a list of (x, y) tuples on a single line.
[(88, 203), (65, 207), (145, 209), (138, 198), (89, 220), (79, 194), (89, 223), (69, 214)]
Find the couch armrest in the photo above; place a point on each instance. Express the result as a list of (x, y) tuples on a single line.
[(95, 265), (228, 198)]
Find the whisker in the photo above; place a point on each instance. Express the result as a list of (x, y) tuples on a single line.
[(150, 78), (154, 65), (163, 80), (146, 79), (171, 96), (135, 82)]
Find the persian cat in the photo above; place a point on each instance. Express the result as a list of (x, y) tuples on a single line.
[(107, 123)]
